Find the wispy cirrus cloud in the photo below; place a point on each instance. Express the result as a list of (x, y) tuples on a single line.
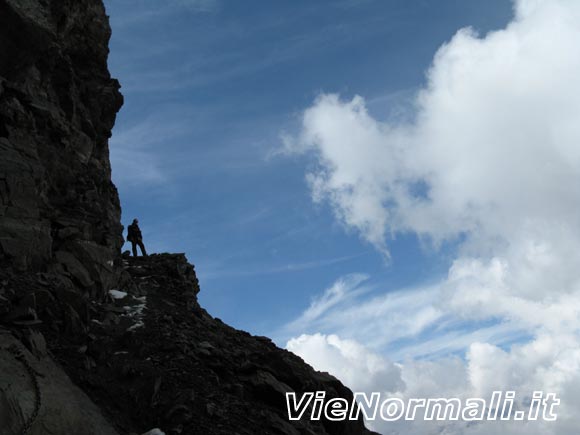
[(404, 324), (137, 155), (224, 270), (345, 289), (139, 12)]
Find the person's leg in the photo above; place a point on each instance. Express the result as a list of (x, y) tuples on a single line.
[(134, 248), (142, 246)]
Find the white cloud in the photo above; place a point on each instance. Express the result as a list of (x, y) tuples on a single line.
[(351, 308), (342, 290), (494, 141), (405, 324), (358, 367), (549, 363), (491, 161)]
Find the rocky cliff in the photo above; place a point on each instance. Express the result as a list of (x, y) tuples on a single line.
[(59, 209), (77, 356)]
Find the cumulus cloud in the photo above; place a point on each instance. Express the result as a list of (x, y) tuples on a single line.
[(548, 363), (354, 364), (491, 163), (493, 146)]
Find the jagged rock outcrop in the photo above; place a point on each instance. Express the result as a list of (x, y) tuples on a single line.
[(59, 210), (146, 355), (155, 358)]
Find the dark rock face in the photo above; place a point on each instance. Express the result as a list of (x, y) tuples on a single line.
[(157, 355), (57, 393), (147, 355), (59, 210)]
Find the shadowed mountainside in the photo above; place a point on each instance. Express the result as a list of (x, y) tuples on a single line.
[(59, 209)]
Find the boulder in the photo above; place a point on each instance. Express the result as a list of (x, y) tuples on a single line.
[(62, 407)]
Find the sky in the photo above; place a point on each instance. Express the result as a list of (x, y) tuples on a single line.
[(389, 189)]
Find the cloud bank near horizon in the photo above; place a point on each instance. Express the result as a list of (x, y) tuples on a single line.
[(491, 163)]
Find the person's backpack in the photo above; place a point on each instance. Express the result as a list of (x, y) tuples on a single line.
[(130, 233)]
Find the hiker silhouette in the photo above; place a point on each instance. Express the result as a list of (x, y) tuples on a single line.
[(135, 237)]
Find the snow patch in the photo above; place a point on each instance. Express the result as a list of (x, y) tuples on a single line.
[(117, 294), (135, 312), (137, 324)]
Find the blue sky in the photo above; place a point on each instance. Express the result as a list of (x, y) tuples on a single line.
[(389, 189), (209, 89)]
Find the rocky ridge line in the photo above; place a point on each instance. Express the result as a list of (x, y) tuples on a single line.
[(152, 357)]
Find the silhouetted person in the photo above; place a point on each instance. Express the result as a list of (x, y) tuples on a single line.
[(135, 237)]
